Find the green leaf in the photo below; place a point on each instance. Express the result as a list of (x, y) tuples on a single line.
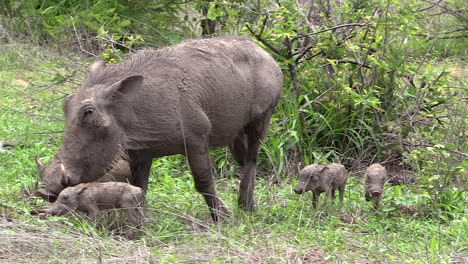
[(213, 11)]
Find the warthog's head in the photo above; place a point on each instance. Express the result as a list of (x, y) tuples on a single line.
[(52, 180), (309, 178), (93, 140), (68, 200), (374, 181)]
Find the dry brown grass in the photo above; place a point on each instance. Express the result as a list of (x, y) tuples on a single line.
[(27, 243), (22, 242)]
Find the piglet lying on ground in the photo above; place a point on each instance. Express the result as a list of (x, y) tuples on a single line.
[(322, 178), (92, 198), (374, 180)]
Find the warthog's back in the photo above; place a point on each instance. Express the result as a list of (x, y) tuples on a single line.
[(114, 194), (334, 173), (211, 85)]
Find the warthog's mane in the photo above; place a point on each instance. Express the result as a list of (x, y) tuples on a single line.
[(142, 59), (135, 64)]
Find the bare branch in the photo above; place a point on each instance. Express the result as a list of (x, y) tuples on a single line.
[(263, 41), (404, 142), (79, 42), (313, 56), (448, 10), (450, 37), (316, 99), (436, 79), (302, 53), (353, 62), (339, 26), (116, 43), (430, 7), (332, 28), (453, 31), (407, 143), (440, 33), (263, 25)]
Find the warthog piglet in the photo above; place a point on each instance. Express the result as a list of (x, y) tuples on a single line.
[(322, 178), (92, 198), (374, 180)]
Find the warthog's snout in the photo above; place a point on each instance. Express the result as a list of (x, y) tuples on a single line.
[(376, 194), (46, 195), (38, 211), (299, 190)]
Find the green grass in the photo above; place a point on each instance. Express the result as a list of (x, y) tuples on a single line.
[(283, 229)]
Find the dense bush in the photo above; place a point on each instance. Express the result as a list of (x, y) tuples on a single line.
[(91, 26)]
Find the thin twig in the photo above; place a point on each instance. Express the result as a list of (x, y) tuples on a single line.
[(313, 56), (449, 37), (263, 25), (117, 43), (353, 62), (263, 41), (302, 53), (427, 8), (404, 142), (79, 42), (329, 29), (436, 79), (448, 10)]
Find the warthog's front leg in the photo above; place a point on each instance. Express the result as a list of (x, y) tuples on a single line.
[(199, 161)]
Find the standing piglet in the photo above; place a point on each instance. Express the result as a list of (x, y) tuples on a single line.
[(322, 178), (91, 198), (374, 180)]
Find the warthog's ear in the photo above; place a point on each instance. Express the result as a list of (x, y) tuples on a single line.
[(125, 87), (97, 66), (66, 104)]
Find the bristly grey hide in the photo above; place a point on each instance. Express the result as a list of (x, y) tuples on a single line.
[(182, 99)]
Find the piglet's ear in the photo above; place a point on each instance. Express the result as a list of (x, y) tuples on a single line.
[(324, 169), (125, 87), (83, 190)]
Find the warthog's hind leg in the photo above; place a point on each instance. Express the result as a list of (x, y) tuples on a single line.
[(254, 131)]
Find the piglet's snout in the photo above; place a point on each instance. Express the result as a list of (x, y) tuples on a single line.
[(299, 190)]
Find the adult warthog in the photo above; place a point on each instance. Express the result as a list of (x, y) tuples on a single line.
[(182, 99)]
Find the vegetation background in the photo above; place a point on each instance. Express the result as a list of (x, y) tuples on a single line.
[(365, 81)]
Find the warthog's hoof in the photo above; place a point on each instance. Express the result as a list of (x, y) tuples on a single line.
[(221, 214), (248, 206)]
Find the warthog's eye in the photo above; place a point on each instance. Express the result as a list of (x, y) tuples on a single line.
[(89, 109), (87, 113), (65, 197)]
